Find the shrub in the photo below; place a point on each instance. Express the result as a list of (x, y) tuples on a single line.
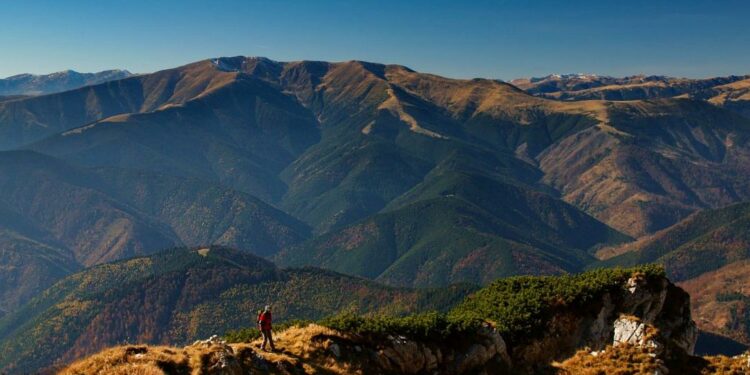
[(430, 325), (520, 307)]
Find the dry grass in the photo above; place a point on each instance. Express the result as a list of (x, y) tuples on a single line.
[(306, 350), (620, 360), (307, 347), (722, 365), (131, 359), (634, 360), (396, 107), (489, 97), (739, 90)]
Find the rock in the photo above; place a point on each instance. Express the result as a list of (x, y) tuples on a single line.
[(211, 341), (222, 361), (675, 323), (336, 350), (600, 330), (644, 300), (631, 330)]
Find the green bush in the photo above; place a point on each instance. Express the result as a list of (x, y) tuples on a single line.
[(520, 307), (430, 325)]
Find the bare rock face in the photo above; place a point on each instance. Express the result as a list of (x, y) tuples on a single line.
[(628, 316), (663, 307), (630, 330)]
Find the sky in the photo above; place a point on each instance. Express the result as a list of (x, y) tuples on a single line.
[(460, 38)]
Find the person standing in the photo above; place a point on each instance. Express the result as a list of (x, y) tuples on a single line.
[(265, 327)]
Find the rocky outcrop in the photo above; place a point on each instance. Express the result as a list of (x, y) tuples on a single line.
[(626, 316)]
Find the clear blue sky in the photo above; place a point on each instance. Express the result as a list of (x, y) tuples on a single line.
[(459, 38)]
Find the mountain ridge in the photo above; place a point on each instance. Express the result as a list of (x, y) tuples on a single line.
[(42, 84)]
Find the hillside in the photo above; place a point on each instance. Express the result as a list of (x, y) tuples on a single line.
[(721, 300), (703, 242), (457, 227), (56, 218), (312, 158), (32, 84), (332, 143), (632, 320), (708, 254), (181, 295)]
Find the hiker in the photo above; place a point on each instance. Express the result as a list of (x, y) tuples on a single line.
[(264, 324)]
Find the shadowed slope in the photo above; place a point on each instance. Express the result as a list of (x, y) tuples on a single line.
[(240, 136), (25, 121), (703, 242), (56, 218)]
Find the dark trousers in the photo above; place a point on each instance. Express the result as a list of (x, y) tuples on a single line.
[(267, 338)]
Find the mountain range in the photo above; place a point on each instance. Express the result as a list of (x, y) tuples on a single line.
[(731, 92), (371, 170), (33, 84)]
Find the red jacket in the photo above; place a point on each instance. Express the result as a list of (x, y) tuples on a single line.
[(264, 320)]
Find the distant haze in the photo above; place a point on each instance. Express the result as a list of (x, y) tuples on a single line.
[(494, 39)]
